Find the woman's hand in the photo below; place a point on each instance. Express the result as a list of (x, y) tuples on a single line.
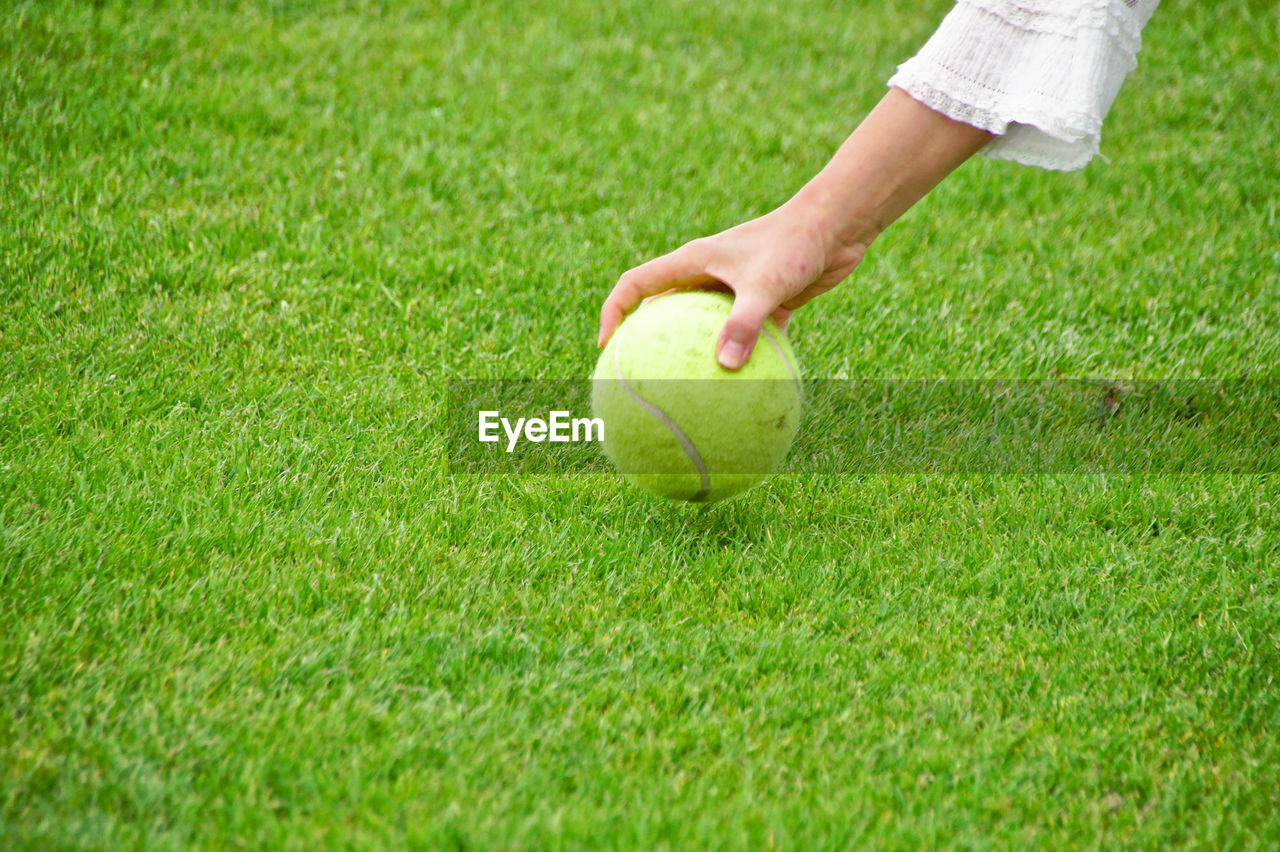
[(780, 261), (773, 265)]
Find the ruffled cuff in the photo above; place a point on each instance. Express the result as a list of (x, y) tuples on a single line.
[(1041, 74)]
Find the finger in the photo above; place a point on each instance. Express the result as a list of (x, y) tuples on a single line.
[(781, 316), (741, 330), (682, 269), (807, 295)]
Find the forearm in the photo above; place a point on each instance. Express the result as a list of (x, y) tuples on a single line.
[(899, 152)]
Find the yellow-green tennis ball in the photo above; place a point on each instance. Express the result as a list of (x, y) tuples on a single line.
[(678, 424)]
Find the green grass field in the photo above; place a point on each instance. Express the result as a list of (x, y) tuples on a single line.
[(245, 248)]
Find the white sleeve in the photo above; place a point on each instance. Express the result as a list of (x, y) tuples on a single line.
[(1041, 74)]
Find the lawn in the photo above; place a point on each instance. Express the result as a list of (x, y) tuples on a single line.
[(246, 599)]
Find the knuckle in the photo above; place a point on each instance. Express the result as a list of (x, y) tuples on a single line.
[(700, 249)]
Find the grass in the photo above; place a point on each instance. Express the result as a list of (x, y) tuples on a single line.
[(246, 248)]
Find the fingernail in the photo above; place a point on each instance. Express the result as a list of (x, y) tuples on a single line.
[(732, 355), (600, 338)]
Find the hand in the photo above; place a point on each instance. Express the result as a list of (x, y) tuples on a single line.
[(780, 261), (772, 265)]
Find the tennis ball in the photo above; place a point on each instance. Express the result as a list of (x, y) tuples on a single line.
[(678, 424)]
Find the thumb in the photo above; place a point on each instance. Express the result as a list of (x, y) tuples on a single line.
[(738, 337)]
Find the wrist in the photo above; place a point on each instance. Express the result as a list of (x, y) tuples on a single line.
[(843, 228)]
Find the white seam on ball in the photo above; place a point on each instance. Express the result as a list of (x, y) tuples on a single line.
[(661, 416), (777, 347)]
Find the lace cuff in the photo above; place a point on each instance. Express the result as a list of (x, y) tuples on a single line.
[(1041, 74)]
